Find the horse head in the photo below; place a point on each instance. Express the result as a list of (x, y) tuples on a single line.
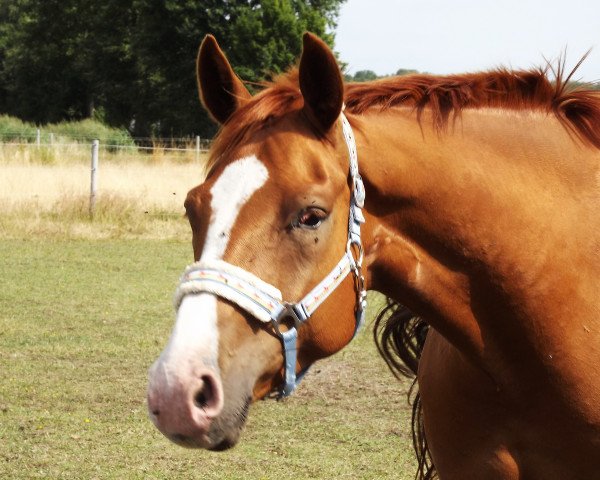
[(270, 222)]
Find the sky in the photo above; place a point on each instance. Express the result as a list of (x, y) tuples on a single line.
[(455, 36)]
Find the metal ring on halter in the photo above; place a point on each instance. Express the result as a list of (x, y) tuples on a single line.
[(359, 191), (356, 263), (360, 284)]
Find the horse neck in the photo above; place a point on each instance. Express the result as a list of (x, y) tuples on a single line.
[(464, 228)]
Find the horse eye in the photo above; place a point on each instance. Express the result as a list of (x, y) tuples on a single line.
[(311, 218)]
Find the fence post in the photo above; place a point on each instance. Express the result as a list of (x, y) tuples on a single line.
[(95, 145), (197, 148), (38, 136), (51, 139)]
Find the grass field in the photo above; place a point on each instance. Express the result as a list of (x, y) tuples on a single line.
[(81, 321), (85, 308)]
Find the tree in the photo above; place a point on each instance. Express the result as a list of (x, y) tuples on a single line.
[(364, 76), (259, 37), (132, 62), (406, 71), (64, 58), (267, 38)]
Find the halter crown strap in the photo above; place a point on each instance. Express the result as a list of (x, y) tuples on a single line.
[(264, 301)]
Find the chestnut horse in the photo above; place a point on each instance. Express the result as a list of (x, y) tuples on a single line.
[(482, 216)]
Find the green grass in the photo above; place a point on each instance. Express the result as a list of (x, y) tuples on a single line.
[(81, 321)]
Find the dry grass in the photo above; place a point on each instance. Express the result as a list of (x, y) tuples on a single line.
[(139, 195)]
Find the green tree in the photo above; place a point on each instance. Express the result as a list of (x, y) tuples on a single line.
[(267, 38), (406, 71), (63, 58), (259, 37), (132, 62), (364, 76)]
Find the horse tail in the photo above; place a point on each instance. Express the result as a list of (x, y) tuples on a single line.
[(400, 336)]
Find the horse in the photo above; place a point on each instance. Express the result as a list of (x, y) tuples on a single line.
[(471, 200)]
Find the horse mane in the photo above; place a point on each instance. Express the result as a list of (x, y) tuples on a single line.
[(577, 107)]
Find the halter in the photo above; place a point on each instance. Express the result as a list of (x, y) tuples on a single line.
[(264, 301)]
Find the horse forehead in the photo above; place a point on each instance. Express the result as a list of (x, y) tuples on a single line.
[(240, 174), (233, 187), (236, 176)]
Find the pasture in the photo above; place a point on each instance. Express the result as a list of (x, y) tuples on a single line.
[(85, 307)]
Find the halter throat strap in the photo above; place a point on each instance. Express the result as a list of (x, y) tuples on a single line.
[(264, 301)]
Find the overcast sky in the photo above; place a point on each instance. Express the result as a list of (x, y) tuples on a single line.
[(452, 36)]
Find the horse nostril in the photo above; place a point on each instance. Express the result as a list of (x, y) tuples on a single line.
[(205, 397), (200, 400)]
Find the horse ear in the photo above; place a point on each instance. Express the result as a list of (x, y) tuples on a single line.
[(321, 83), (221, 91)]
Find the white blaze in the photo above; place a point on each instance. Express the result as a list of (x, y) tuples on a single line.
[(230, 192), (195, 329)]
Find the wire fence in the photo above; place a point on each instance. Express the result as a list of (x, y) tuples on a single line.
[(61, 151), (39, 137)]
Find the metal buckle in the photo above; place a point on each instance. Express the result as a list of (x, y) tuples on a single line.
[(295, 311)]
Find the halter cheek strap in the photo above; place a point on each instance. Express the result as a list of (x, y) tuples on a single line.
[(264, 301)]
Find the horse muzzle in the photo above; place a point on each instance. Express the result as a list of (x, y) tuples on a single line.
[(184, 407)]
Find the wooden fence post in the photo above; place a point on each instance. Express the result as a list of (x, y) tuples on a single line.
[(95, 145)]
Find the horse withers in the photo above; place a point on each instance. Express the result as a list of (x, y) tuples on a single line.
[(474, 202)]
